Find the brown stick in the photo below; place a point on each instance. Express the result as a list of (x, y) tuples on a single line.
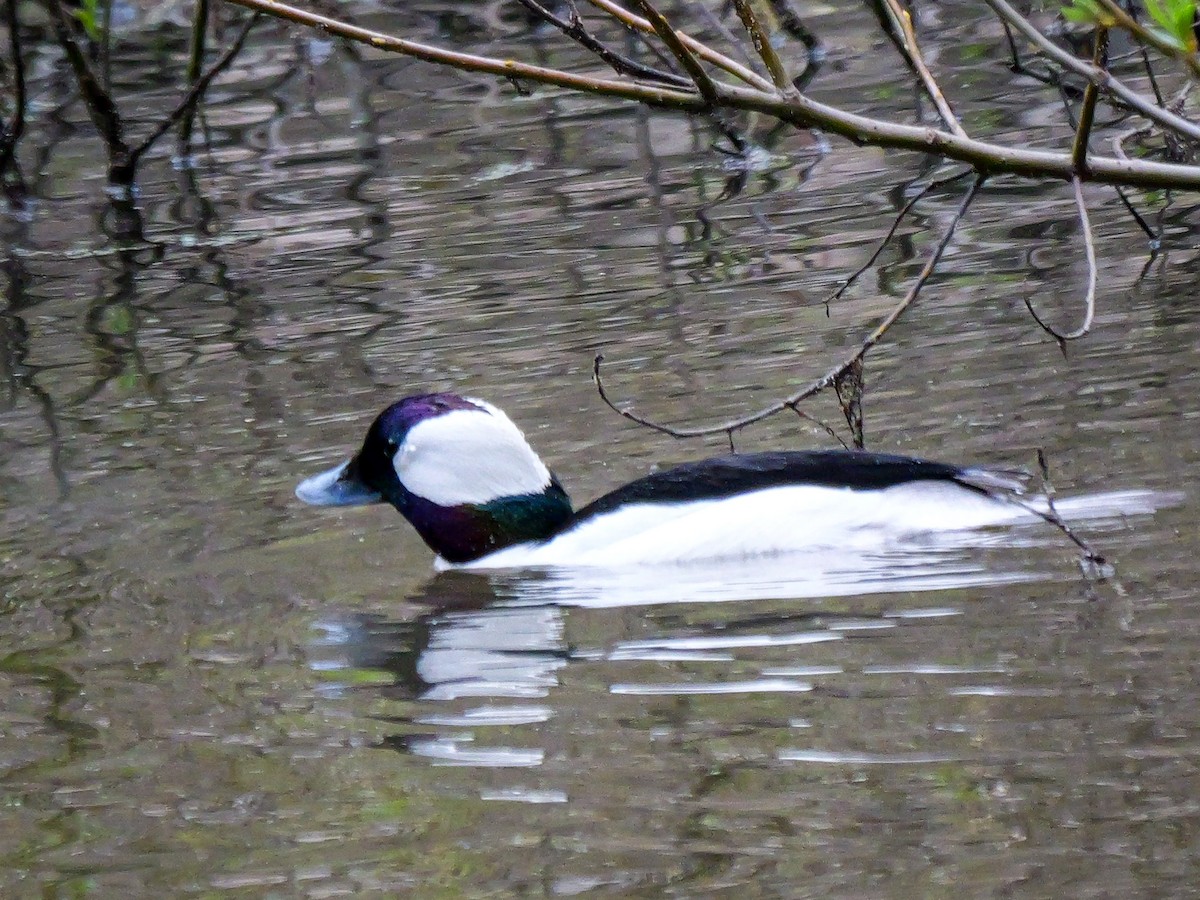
[(619, 62), (1087, 112), (706, 53)]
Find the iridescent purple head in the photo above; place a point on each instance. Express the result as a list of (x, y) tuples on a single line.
[(457, 468)]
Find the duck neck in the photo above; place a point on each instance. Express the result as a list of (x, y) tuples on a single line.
[(461, 534)]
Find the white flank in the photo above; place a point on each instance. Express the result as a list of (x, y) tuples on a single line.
[(803, 518), (761, 523), (469, 457)]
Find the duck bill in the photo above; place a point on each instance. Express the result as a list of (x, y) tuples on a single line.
[(340, 486)]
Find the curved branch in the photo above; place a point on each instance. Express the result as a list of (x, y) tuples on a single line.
[(1090, 298), (826, 380)]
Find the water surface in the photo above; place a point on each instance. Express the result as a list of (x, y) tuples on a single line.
[(210, 689)]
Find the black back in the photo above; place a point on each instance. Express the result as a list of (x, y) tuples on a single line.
[(723, 476)]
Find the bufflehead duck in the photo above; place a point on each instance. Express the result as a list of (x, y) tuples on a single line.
[(467, 480)]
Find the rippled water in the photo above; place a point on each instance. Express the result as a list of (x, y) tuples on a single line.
[(210, 689)]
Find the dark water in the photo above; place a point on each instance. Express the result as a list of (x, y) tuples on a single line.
[(208, 689)]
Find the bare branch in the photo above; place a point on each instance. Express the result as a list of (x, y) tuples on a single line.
[(762, 45), (902, 22), (704, 84), (800, 110), (1050, 515), (1102, 79), (829, 377), (1151, 234), (1090, 297), (655, 95)]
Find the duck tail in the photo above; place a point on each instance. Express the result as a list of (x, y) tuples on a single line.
[(994, 481)]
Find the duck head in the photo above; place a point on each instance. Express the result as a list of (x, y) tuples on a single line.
[(458, 469)]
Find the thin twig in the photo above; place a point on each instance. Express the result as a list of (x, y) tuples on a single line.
[(762, 45), (911, 50), (196, 92), (829, 377), (687, 59), (1050, 515), (620, 63), (882, 245), (1087, 113), (1090, 298), (1102, 79), (828, 429)]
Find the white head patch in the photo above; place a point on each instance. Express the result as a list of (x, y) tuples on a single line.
[(469, 456)]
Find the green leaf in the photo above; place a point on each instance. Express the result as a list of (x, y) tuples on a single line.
[(88, 15)]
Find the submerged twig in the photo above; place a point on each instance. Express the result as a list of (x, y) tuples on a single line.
[(829, 377), (1050, 514), (1090, 297)]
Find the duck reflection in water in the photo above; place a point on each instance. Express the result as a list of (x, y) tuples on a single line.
[(489, 649)]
